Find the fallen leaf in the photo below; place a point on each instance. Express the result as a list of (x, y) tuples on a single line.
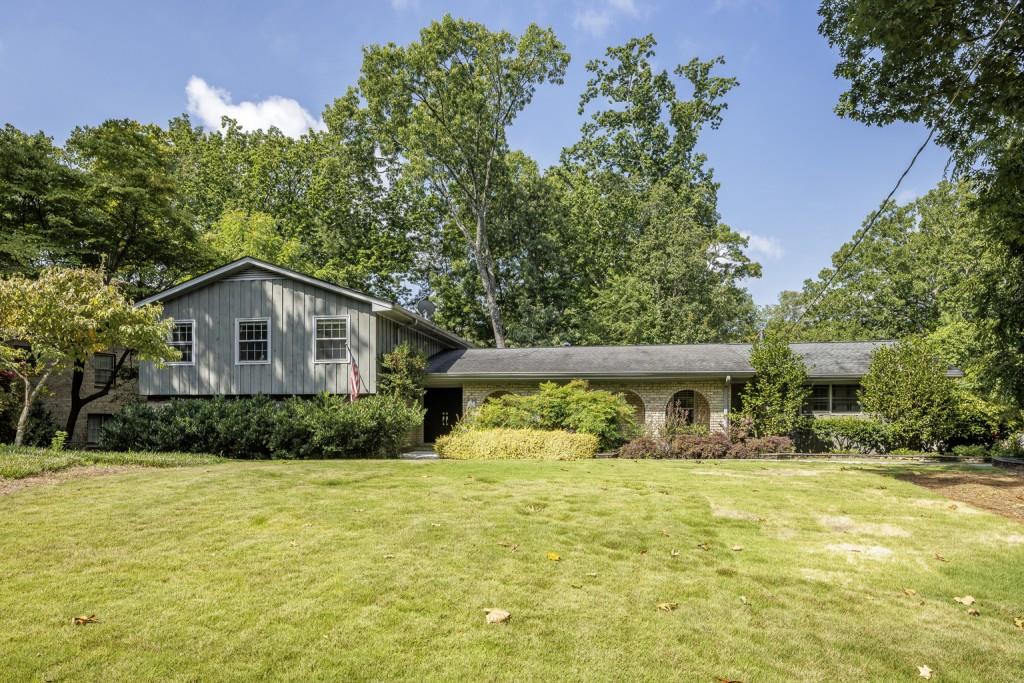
[(704, 546), (719, 679), (674, 553), (643, 551), (1019, 622), (743, 600), (924, 671), (576, 585), (737, 548), (973, 612), (435, 524), (497, 616), (592, 575), (511, 546), (940, 558), (554, 557), (953, 506), (83, 620), (910, 591), (359, 510), (667, 606), (664, 532), (966, 600), (389, 557)]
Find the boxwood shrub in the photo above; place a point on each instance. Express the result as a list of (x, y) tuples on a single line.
[(259, 427), (854, 434), (516, 444)]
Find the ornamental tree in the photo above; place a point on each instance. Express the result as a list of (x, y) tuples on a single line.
[(59, 320), (772, 400)]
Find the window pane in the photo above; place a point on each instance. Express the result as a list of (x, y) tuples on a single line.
[(252, 341), (818, 399), (331, 339), (844, 398), (102, 368), (182, 340), (94, 424)]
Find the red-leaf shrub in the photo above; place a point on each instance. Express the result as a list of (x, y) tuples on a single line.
[(715, 445), (645, 447)]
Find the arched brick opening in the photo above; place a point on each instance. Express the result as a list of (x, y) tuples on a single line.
[(637, 404), (688, 407)]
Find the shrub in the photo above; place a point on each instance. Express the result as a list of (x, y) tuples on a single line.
[(645, 447), (715, 445), (401, 373), (848, 434), (571, 407), (772, 400), (971, 451), (258, 428), (516, 444), (755, 447)]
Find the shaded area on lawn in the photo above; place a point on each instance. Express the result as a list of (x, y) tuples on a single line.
[(20, 462), (998, 490)]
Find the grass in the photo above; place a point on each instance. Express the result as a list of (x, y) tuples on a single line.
[(377, 570), (18, 463)]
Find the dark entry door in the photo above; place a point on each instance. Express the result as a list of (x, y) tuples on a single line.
[(444, 408)]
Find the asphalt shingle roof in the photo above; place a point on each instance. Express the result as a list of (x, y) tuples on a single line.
[(826, 359)]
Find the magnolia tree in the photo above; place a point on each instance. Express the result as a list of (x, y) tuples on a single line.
[(53, 323), (772, 400)]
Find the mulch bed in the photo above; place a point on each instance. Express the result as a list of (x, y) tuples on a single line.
[(1000, 491)]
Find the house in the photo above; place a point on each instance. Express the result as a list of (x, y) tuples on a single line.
[(251, 327)]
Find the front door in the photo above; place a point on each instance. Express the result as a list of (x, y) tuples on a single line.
[(444, 408)]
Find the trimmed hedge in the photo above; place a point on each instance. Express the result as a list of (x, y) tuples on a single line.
[(260, 428), (715, 445), (854, 434), (516, 444)]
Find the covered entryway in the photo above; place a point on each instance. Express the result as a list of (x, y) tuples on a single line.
[(444, 408)]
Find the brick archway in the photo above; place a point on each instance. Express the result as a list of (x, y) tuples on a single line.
[(688, 407), (637, 404)]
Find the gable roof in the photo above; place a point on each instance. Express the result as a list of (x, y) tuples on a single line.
[(248, 268), (833, 360)]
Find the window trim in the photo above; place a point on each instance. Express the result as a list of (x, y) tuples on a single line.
[(261, 319), (348, 338), (112, 369), (192, 322)]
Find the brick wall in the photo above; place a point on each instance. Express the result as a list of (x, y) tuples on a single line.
[(57, 400), (655, 396)]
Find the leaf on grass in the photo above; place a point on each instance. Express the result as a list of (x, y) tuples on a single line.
[(966, 600), (664, 532), (1019, 622), (674, 552), (497, 616), (704, 546), (576, 585), (940, 558), (592, 575), (667, 606), (435, 524), (553, 556), (737, 548), (974, 612), (389, 557), (719, 679), (511, 546), (924, 671), (953, 506), (743, 600), (83, 620), (643, 551), (910, 591)]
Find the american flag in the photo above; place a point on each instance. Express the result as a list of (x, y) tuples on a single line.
[(353, 380)]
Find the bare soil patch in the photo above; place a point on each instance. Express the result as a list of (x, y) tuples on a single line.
[(999, 491), (8, 486)]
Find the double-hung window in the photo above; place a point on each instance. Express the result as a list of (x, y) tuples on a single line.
[(330, 341), (183, 339), (818, 400), (102, 369), (252, 341), (844, 398)]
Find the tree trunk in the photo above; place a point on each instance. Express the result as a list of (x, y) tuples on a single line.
[(485, 265), (78, 401), (19, 435)]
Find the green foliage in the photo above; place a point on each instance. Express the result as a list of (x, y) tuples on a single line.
[(260, 428), (853, 434), (401, 374), (20, 462), (773, 398), (58, 440), (906, 385), (64, 317), (516, 444), (238, 233), (572, 407), (971, 451), (41, 426)]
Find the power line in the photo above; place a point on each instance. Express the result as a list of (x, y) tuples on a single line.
[(931, 133)]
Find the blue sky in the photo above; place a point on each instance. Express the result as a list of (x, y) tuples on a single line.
[(793, 175)]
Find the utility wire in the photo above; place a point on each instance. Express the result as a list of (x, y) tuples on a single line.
[(878, 212)]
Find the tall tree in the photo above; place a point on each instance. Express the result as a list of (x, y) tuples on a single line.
[(444, 105), (955, 66), (658, 264)]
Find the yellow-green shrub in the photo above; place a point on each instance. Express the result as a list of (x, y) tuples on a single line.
[(516, 444)]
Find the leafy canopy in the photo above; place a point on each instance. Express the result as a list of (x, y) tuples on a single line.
[(773, 398)]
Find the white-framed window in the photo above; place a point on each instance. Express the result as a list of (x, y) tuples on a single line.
[(330, 339), (183, 338), (252, 341), (102, 368)]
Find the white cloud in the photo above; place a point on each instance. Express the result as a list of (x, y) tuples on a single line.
[(906, 196), (210, 104), (596, 20), (768, 247)]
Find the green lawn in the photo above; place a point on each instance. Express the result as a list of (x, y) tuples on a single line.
[(383, 569), (18, 463)]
